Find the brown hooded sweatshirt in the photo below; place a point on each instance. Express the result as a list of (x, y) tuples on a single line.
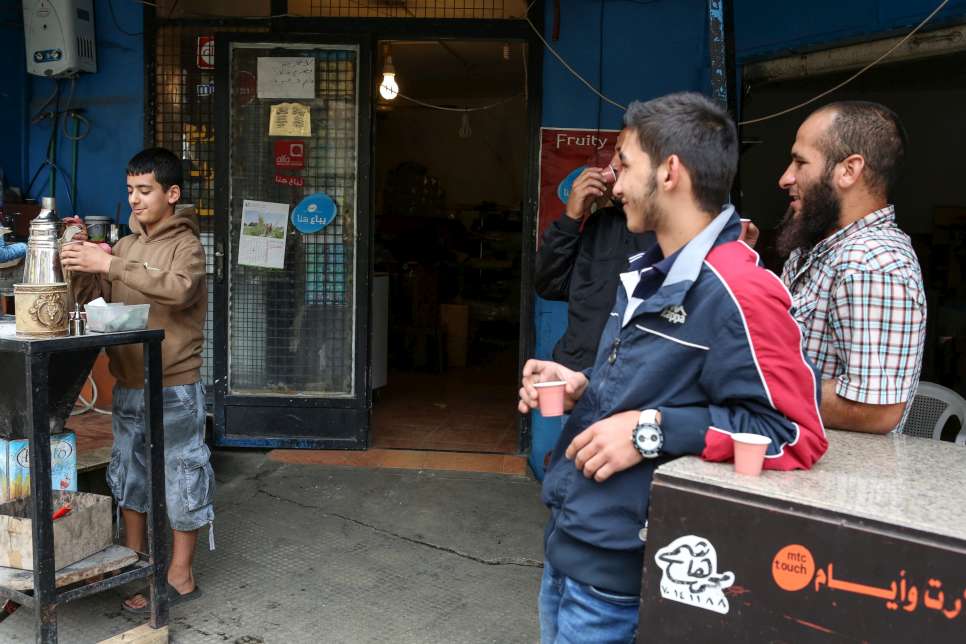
[(167, 271)]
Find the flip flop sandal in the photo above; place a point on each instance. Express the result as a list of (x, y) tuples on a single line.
[(174, 598)]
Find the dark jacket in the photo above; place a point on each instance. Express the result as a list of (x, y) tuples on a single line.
[(582, 269), (716, 351)]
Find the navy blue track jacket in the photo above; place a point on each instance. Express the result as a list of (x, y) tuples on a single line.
[(716, 351)]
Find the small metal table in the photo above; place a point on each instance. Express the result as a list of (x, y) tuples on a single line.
[(42, 358)]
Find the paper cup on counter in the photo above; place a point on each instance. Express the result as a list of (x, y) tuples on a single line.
[(550, 397), (750, 453)]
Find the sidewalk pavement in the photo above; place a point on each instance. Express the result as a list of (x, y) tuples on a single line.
[(309, 553)]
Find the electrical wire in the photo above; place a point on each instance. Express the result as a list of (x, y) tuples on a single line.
[(110, 6), (853, 76), (443, 108), (74, 115), (875, 62), (566, 64)]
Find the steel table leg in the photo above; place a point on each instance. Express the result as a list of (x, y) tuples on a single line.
[(45, 592), (155, 469)]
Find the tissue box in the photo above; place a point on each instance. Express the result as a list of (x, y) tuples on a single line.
[(112, 318), (84, 531), (15, 465)]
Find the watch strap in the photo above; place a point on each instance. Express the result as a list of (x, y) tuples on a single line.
[(648, 417)]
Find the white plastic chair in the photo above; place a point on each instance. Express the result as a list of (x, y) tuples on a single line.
[(932, 407)]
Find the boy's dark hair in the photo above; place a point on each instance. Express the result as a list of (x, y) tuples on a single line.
[(162, 162), (702, 135), (872, 131)]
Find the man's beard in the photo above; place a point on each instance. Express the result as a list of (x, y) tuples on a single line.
[(651, 212), (819, 214)]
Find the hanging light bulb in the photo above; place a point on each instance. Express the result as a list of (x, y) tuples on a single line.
[(388, 88), (465, 130)]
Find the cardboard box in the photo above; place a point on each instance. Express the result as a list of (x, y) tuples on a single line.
[(84, 531), (455, 321), (15, 465)]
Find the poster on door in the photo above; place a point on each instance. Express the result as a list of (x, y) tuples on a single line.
[(564, 153), (264, 227)]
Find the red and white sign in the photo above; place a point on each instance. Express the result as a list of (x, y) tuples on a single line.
[(563, 153), (206, 52), (286, 180), (289, 154)]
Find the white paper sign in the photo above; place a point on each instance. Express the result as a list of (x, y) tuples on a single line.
[(264, 227), (689, 574), (288, 77)]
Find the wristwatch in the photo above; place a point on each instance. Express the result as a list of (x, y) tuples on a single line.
[(647, 436)]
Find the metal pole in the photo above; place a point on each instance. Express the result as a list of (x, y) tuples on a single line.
[(154, 461)]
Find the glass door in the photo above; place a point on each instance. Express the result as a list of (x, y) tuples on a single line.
[(291, 242)]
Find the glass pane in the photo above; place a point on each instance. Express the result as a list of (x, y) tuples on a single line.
[(291, 329)]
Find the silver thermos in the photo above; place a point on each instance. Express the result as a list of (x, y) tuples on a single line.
[(42, 265)]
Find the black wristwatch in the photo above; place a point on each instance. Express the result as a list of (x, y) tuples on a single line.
[(647, 437)]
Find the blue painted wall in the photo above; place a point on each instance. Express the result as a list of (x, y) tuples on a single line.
[(113, 101), (768, 29)]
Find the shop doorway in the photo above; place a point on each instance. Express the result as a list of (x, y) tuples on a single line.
[(450, 179)]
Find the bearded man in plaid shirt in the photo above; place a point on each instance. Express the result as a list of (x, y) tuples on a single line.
[(855, 281)]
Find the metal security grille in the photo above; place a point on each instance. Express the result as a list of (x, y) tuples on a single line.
[(183, 121), (291, 330), (408, 8)]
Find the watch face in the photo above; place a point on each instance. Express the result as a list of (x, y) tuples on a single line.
[(648, 439)]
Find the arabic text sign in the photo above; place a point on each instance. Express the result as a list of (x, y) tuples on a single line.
[(286, 77)]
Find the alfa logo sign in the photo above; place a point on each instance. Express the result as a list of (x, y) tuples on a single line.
[(206, 52), (289, 154)]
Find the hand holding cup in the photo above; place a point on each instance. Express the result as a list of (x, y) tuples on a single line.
[(545, 372)]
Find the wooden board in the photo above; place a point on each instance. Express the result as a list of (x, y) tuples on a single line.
[(107, 560), (143, 634)]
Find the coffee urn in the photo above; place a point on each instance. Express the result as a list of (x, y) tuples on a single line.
[(42, 298)]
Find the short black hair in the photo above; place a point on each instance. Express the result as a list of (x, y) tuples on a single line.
[(165, 165), (871, 130), (700, 132)]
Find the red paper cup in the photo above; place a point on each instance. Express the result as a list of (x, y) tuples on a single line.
[(744, 227), (550, 397), (750, 453), (610, 175)]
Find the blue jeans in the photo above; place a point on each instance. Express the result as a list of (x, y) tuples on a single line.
[(189, 481), (572, 612)]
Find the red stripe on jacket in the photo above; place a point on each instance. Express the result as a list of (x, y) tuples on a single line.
[(776, 343)]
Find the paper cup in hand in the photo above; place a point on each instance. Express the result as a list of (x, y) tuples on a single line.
[(610, 174), (550, 397), (750, 453)]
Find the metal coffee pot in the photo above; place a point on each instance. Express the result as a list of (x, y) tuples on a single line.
[(42, 264)]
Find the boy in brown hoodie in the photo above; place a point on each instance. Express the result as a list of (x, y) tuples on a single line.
[(162, 263)]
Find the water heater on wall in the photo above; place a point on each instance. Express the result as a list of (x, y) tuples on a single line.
[(60, 37)]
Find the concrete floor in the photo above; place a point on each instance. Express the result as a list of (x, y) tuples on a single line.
[(309, 553)]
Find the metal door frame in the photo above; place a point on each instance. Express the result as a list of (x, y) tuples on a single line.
[(349, 417)]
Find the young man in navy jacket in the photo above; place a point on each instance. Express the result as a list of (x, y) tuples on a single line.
[(699, 345)]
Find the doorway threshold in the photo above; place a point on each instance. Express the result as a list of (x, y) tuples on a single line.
[(407, 459)]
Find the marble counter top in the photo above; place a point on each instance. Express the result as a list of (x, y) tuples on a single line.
[(911, 482)]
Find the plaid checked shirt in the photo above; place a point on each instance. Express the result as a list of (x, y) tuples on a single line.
[(859, 298)]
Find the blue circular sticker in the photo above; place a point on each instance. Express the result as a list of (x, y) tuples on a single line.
[(313, 213), (563, 190)]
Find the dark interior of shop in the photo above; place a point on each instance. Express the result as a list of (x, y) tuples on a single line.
[(449, 178), (930, 200)]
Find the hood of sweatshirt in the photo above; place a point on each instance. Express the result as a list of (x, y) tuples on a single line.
[(184, 217)]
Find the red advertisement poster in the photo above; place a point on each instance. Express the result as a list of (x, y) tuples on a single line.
[(289, 154), (564, 153), (206, 52)]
